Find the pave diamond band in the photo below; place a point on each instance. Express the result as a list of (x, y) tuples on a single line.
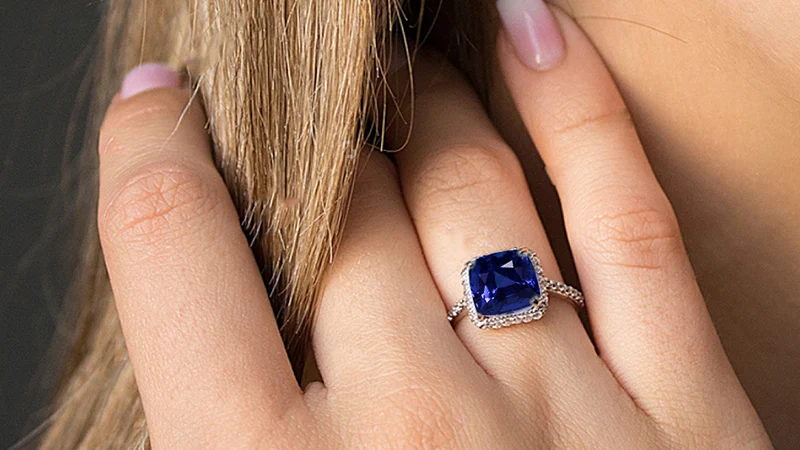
[(507, 288), (568, 292)]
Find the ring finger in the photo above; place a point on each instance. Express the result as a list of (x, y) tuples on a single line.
[(467, 196)]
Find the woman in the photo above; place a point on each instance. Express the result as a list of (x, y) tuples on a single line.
[(292, 98)]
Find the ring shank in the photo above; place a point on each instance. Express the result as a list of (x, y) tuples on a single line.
[(566, 291)]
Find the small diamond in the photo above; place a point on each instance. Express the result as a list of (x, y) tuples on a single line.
[(503, 283)]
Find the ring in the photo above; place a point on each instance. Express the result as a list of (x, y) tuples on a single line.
[(507, 288)]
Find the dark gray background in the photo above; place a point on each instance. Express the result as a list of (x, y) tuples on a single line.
[(46, 51)]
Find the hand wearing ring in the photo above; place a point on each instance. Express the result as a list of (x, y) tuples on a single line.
[(394, 373)]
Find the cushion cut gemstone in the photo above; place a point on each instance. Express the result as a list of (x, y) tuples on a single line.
[(503, 283)]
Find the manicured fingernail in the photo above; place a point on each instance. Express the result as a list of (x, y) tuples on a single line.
[(533, 31), (148, 76)]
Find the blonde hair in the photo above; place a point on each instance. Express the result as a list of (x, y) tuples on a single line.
[(292, 90)]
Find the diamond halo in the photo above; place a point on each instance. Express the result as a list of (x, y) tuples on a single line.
[(538, 303)]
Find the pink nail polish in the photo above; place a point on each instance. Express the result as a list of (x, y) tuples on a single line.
[(146, 77), (533, 31)]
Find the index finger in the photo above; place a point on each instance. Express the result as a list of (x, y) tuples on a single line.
[(208, 359)]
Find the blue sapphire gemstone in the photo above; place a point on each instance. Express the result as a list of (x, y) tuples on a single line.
[(503, 283)]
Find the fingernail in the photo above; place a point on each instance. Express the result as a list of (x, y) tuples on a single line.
[(148, 76), (533, 31)]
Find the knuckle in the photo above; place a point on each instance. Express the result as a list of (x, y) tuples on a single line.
[(454, 173), (635, 237), (159, 200)]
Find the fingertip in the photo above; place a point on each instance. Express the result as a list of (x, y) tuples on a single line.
[(571, 45), (578, 88), (170, 115), (534, 33)]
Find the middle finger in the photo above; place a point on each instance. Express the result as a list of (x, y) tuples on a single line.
[(380, 315)]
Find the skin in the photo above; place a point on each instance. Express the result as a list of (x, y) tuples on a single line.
[(714, 91), (209, 362)]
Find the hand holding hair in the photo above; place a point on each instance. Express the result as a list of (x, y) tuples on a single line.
[(209, 361)]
